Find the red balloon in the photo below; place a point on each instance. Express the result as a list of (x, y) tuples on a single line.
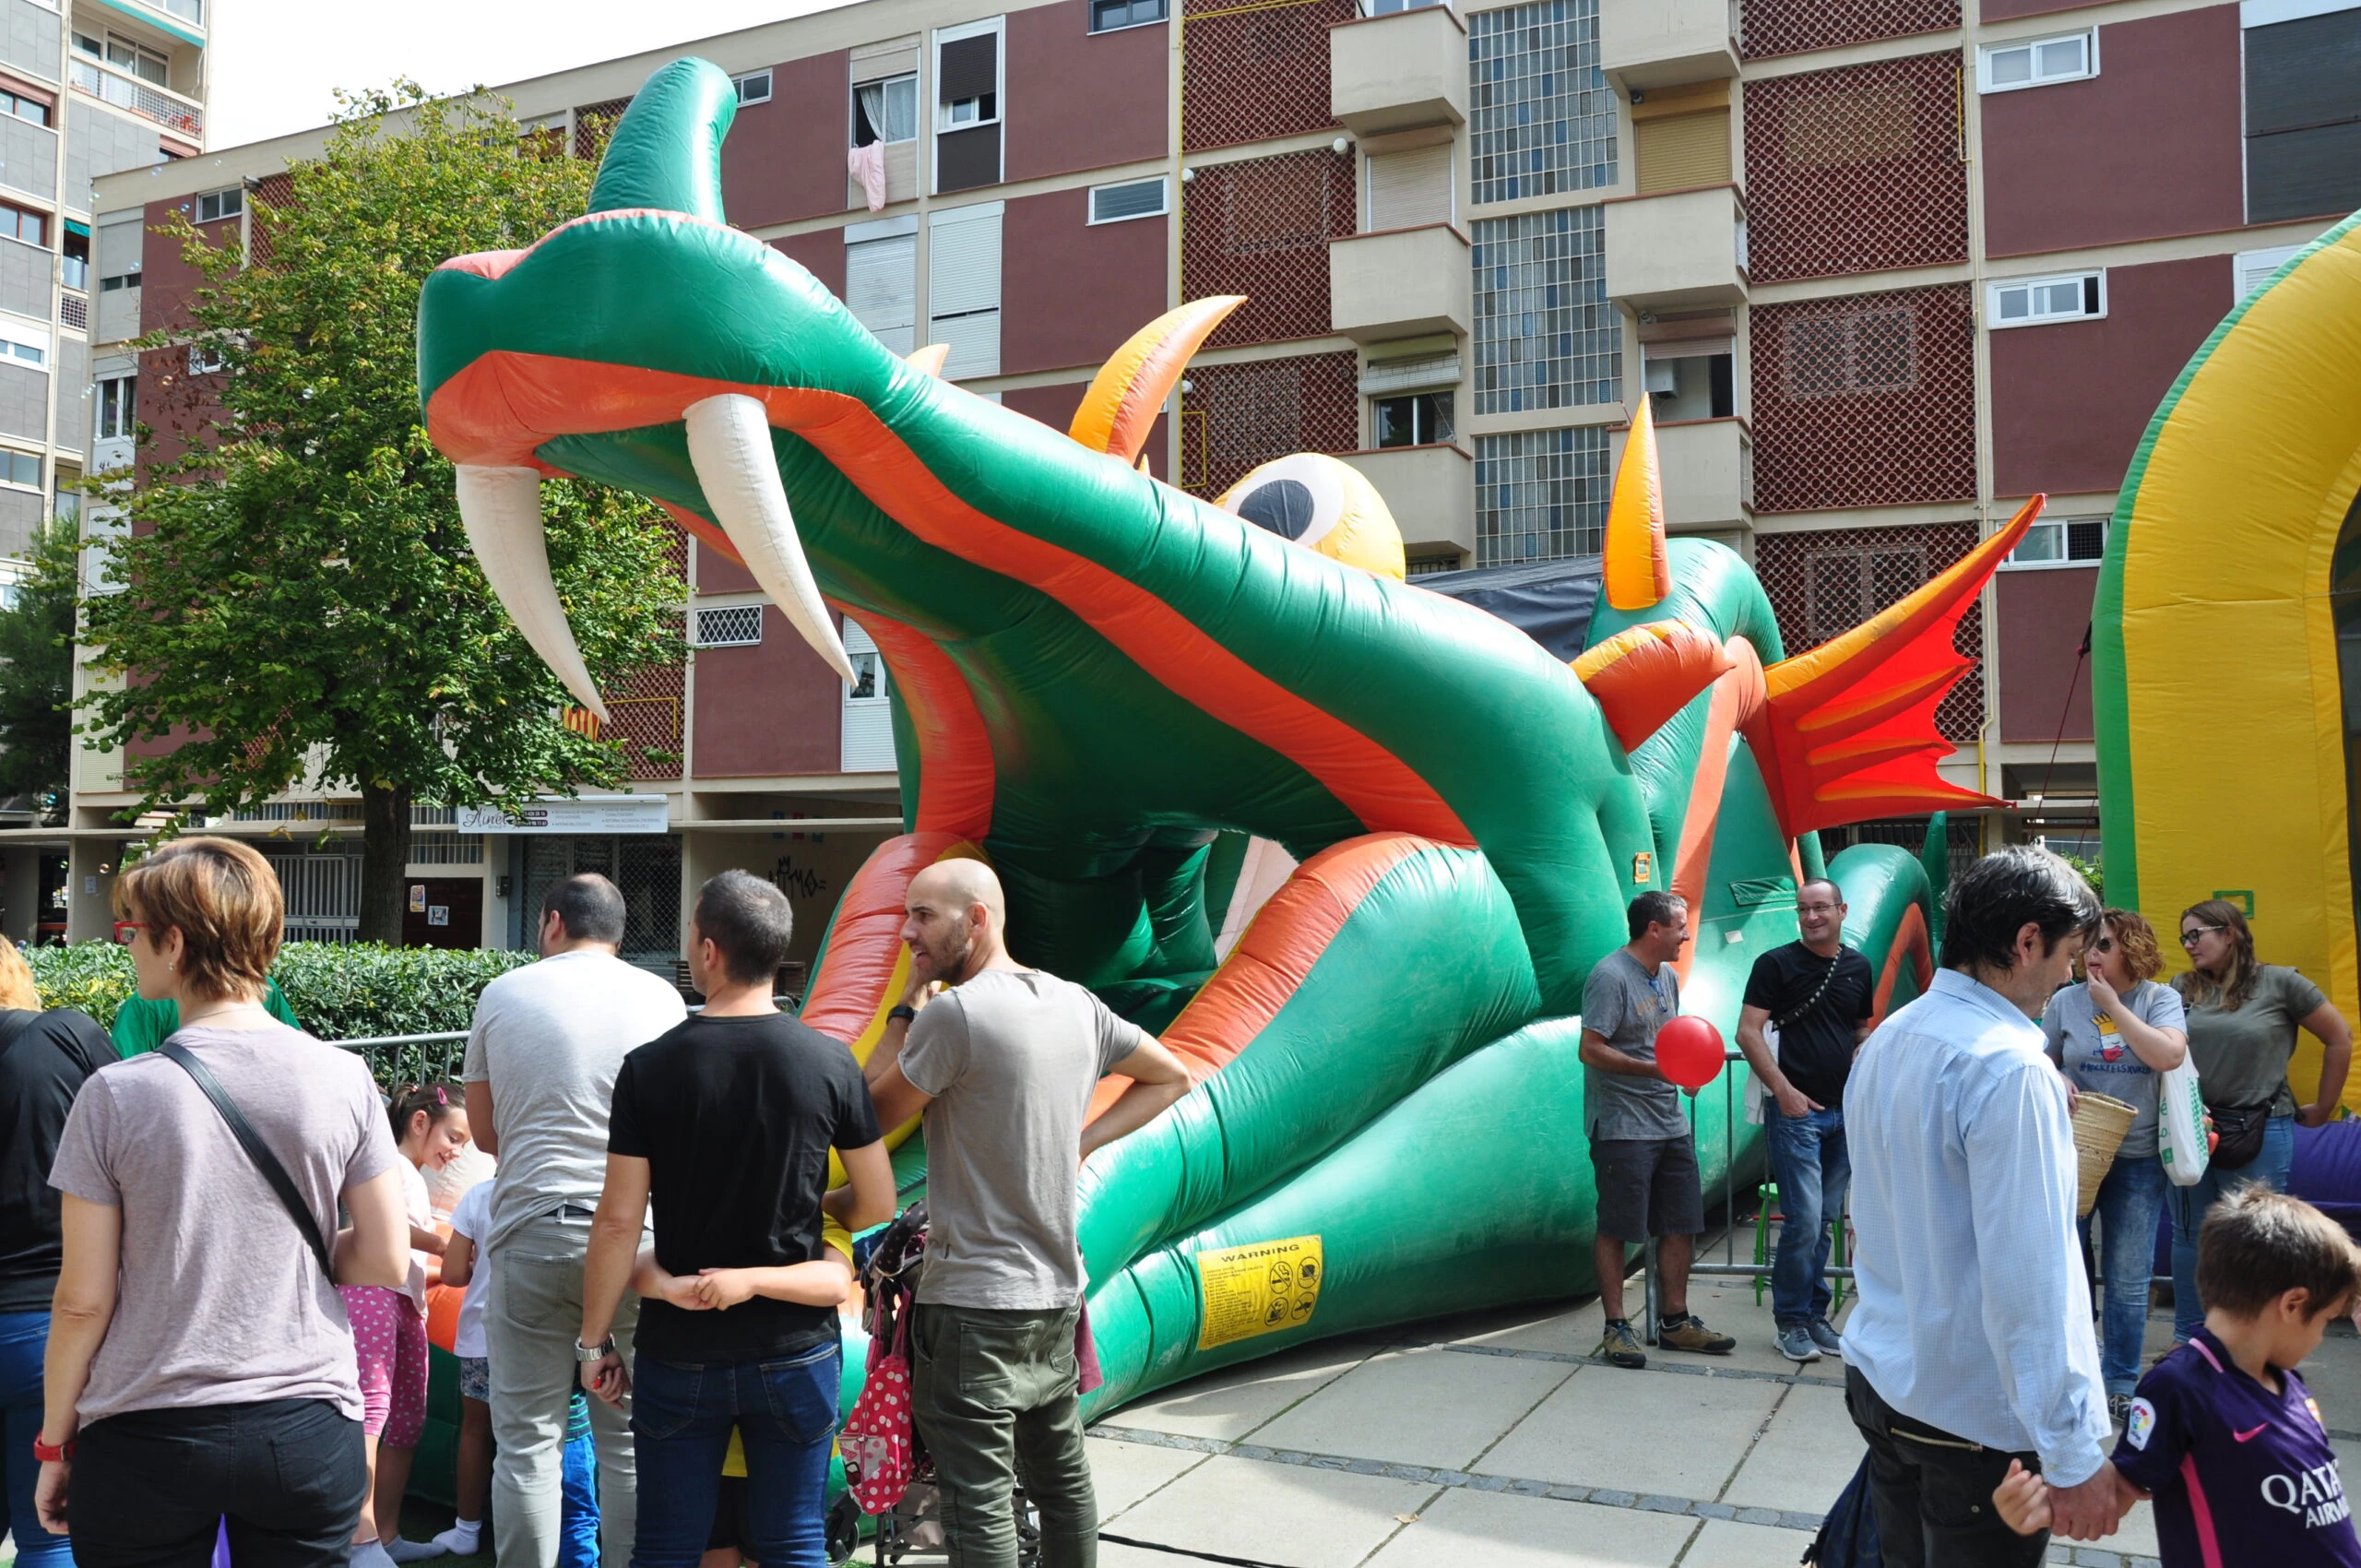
[(1690, 1051)]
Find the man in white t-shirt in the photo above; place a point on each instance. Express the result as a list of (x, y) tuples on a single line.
[(540, 1075)]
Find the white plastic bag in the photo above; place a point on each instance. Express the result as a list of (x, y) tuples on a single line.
[(1758, 1099), (2180, 1129)]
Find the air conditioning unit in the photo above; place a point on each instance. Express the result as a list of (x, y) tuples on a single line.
[(1662, 375)]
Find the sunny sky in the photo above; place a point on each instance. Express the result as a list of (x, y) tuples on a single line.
[(276, 63)]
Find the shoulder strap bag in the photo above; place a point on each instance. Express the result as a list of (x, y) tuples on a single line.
[(1758, 1099), (257, 1150)]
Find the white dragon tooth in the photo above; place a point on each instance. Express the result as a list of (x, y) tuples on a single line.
[(502, 510), (729, 446)]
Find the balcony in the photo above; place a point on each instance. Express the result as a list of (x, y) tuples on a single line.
[(1398, 283), (1687, 248), (181, 116), (1708, 470), (1398, 72), (1430, 489), (1645, 44)]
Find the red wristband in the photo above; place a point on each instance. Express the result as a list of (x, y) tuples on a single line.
[(48, 1455)]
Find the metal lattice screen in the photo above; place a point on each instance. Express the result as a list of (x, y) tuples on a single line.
[(1824, 582), (1235, 416), (1250, 73), (646, 711), (1857, 169), (646, 868), (1791, 27), (591, 123), (1261, 227), (1868, 400)]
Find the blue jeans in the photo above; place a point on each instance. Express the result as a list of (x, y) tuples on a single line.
[(784, 1412), (1810, 1163), (2126, 1211), (577, 1540), (23, 1338), (2189, 1207)]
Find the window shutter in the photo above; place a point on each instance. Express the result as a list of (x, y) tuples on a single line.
[(1407, 189), (1682, 151), (963, 288), (865, 742), (880, 288), (970, 68)]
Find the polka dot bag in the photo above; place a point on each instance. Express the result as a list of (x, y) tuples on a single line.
[(879, 1457)]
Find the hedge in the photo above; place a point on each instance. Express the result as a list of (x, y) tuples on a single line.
[(340, 990)]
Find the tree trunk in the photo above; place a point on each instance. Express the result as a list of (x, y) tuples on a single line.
[(385, 858)]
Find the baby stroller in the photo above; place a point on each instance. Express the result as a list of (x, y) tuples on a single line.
[(887, 1471)]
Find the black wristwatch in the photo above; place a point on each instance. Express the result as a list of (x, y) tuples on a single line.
[(903, 1011)]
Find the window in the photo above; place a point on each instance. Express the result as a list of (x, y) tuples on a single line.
[(2061, 541), (1540, 117), (885, 110), (1134, 198), (125, 55), (2252, 269), (869, 682), (1540, 496), (205, 358), (1546, 336), (120, 281), (1853, 351), (968, 106), (755, 87), (188, 10), (1106, 16), (118, 407), (963, 288), (1690, 380), (213, 205), (1387, 7), (75, 265), (20, 469), (881, 279), (24, 108), (2303, 110), (730, 625), (1416, 418), (2037, 62), (2029, 302), (16, 224), (15, 347)]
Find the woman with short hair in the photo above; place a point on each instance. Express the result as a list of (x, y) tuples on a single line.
[(2242, 1021), (44, 1058), (2118, 1034), (200, 1364)]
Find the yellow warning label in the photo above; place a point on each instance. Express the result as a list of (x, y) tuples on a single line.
[(1258, 1289)]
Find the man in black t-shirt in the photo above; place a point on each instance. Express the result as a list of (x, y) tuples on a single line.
[(1806, 1011), (726, 1122)]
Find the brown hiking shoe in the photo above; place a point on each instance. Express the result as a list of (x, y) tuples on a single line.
[(1690, 1334), (1621, 1348)]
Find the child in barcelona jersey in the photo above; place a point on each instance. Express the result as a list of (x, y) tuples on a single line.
[(2222, 1433)]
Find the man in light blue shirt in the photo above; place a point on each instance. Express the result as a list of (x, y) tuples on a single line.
[(1971, 1344)]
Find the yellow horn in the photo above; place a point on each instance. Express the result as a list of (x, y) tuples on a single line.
[(1638, 575), (1120, 407)]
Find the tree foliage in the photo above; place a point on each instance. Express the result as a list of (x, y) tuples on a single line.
[(37, 673), (300, 604)]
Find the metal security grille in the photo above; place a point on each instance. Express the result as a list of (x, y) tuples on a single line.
[(1868, 400), (1857, 169), (1261, 228), (1252, 72), (1236, 416), (730, 625), (1546, 338), (323, 894), (1823, 583), (1540, 496), (646, 868), (1962, 838), (591, 123), (1540, 117), (646, 711), (1791, 27)]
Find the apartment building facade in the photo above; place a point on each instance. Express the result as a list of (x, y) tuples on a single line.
[(1885, 267)]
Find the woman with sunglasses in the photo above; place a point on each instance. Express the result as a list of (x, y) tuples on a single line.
[(2116, 1034), (2242, 1021)]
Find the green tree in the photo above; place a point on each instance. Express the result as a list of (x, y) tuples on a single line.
[(37, 672), (299, 601)]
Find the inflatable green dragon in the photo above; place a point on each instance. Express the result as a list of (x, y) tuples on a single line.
[(1110, 689)]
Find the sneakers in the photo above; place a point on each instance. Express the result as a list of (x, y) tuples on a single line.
[(2118, 1408), (402, 1551), (1621, 1348), (1689, 1334), (463, 1538), (1823, 1334), (1796, 1343)]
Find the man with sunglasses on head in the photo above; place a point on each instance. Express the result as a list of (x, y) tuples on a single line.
[(1808, 1008)]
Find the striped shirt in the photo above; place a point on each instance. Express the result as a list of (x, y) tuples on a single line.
[(1973, 1316)]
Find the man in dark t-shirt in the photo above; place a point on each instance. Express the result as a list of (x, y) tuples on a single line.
[(1807, 1010), (727, 1123)]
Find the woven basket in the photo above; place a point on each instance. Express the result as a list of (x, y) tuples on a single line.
[(2099, 1126)]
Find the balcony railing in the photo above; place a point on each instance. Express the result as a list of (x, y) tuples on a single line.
[(73, 310), (143, 98)]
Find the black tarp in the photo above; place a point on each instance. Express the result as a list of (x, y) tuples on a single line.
[(1550, 601)]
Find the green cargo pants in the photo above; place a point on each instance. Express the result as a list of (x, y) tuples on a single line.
[(994, 1398)]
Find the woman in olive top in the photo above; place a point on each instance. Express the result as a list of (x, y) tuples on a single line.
[(2242, 1021)]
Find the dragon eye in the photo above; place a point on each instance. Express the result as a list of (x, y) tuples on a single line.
[(1299, 498)]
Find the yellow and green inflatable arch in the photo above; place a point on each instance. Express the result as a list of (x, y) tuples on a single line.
[(2226, 713)]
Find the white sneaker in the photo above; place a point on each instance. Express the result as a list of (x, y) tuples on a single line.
[(462, 1540), (402, 1551), (370, 1554)]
